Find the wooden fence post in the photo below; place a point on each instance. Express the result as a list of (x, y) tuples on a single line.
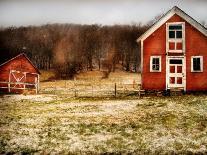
[(115, 89), (24, 85), (139, 91), (38, 82), (36, 85), (92, 90), (9, 84), (75, 92), (134, 83), (55, 86)]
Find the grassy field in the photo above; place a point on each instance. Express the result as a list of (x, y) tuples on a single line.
[(92, 84), (60, 124)]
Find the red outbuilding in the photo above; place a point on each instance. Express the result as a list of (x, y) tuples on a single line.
[(174, 54), (19, 74)]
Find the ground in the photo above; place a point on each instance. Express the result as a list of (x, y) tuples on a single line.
[(61, 124), (57, 124)]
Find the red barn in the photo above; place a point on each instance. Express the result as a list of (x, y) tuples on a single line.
[(174, 54), (19, 74)]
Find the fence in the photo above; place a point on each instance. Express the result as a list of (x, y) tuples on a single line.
[(18, 80), (84, 89), (14, 86)]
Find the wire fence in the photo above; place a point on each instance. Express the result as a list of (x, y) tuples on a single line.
[(90, 89)]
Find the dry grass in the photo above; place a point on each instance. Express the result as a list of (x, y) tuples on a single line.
[(92, 84), (118, 76), (47, 75), (62, 125)]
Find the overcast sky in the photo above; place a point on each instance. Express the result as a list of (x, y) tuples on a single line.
[(105, 12)]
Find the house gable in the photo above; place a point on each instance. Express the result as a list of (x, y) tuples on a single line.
[(174, 11), (20, 62)]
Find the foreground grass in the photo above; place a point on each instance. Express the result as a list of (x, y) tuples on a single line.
[(57, 124)]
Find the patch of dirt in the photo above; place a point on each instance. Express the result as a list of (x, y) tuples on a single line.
[(36, 98)]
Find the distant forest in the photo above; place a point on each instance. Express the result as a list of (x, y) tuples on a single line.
[(71, 48)]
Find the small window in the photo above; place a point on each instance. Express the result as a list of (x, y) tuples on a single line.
[(196, 64), (155, 64), (175, 31), (175, 27)]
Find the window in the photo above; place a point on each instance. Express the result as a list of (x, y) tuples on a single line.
[(196, 64), (175, 31), (155, 64), (175, 37)]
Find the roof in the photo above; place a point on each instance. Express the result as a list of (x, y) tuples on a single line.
[(168, 15), (22, 54)]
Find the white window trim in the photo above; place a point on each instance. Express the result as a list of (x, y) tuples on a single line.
[(151, 58), (201, 63), (181, 40)]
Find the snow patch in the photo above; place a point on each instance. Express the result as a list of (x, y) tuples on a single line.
[(36, 98)]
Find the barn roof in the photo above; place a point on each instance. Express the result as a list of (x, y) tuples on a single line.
[(168, 15), (22, 54)]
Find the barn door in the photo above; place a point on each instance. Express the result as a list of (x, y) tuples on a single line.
[(176, 73), (17, 80)]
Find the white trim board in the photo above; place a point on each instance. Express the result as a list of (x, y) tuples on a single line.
[(168, 15), (181, 40)]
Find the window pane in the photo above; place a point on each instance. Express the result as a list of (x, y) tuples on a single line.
[(171, 34), (179, 46), (178, 34), (175, 27), (196, 64), (179, 80), (155, 67), (179, 69), (155, 61), (175, 61), (172, 69), (172, 80), (172, 45), (155, 64)]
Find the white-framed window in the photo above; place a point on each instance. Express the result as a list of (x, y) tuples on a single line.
[(175, 31), (155, 64), (175, 37), (197, 64)]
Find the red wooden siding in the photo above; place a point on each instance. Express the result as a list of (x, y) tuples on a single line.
[(154, 45), (196, 45)]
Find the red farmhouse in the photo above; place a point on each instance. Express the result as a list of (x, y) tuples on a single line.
[(174, 54), (18, 74)]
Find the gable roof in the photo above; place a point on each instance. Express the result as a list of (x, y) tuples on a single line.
[(22, 54), (168, 15)]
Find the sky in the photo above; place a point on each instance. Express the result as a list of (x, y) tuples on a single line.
[(104, 12)]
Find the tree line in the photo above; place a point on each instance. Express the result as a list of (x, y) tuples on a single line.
[(70, 48)]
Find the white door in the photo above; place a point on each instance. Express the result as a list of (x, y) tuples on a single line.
[(176, 73)]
